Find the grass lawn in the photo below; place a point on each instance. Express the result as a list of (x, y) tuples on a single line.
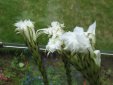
[(70, 12)]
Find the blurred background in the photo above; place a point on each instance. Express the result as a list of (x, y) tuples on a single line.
[(70, 12)]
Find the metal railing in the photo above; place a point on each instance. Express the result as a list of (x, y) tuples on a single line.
[(42, 48)]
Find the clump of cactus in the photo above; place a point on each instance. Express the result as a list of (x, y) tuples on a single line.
[(76, 48)]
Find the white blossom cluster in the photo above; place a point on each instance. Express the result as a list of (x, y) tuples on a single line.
[(26, 28), (76, 41)]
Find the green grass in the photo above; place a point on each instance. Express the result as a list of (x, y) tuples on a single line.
[(70, 12)]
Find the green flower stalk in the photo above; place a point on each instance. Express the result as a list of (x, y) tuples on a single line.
[(76, 48), (54, 44), (67, 67), (79, 49), (87, 65), (26, 29)]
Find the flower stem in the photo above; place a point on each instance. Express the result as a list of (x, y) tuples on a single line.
[(96, 81), (43, 71), (68, 70), (38, 60)]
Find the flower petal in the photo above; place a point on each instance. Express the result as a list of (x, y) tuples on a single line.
[(92, 28)]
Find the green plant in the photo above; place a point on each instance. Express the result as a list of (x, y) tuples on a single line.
[(76, 48), (26, 29)]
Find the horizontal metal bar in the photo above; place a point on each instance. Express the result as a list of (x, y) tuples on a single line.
[(107, 54), (42, 48), (20, 47)]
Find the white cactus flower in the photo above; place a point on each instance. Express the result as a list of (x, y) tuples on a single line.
[(97, 58), (82, 39), (53, 45), (78, 29), (70, 42), (24, 24), (76, 41), (91, 33), (54, 30), (26, 28)]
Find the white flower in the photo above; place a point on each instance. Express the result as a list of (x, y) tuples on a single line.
[(78, 29), (82, 39), (97, 58), (24, 24), (70, 42), (26, 28), (53, 45), (54, 30), (91, 33), (76, 41)]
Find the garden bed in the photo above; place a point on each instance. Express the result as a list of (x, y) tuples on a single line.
[(12, 74)]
